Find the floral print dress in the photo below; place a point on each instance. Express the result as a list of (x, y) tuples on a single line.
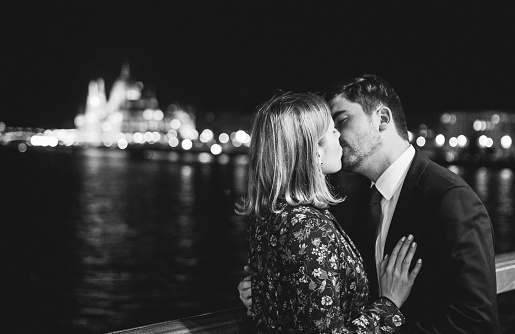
[(308, 277)]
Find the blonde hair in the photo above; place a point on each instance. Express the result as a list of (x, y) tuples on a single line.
[(284, 165)]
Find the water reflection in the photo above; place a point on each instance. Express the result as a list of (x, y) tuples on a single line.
[(504, 213), (481, 183), (497, 191)]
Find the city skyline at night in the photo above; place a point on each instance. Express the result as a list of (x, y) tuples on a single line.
[(219, 56)]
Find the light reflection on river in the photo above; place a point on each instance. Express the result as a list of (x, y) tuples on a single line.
[(104, 242)]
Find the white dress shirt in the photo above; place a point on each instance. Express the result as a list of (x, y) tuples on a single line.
[(389, 185)]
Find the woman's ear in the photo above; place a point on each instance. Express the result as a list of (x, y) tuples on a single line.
[(320, 152)]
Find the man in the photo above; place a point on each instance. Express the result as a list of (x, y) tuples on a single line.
[(455, 292)]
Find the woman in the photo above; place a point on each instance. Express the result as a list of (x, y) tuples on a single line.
[(307, 275)]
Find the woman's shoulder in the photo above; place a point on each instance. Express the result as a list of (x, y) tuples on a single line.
[(306, 214), (304, 210)]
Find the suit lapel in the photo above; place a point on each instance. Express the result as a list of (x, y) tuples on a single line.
[(405, 211)]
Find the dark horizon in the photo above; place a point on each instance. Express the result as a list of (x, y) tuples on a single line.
[(224, 55)]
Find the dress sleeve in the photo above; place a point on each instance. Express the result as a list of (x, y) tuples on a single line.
[(323, 299)]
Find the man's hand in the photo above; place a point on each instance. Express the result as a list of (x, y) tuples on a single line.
[(246, 291)]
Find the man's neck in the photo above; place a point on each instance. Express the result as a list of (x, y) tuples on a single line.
[(383, 158)]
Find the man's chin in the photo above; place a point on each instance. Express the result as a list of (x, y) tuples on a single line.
[(349, 166)]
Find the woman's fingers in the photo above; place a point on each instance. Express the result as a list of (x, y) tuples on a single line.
[(384, 263), (406, 263), (415, 270), (403, 251), (393, 256)]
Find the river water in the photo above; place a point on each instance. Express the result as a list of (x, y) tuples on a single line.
[(97, 241)]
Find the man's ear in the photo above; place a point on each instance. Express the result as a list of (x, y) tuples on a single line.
[(385, 117)]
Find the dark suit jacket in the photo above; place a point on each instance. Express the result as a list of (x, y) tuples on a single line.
[(455, 292)]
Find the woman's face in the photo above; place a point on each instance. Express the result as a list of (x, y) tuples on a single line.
[(331, 151)]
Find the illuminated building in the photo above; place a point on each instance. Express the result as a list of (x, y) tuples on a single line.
[(130, 110)]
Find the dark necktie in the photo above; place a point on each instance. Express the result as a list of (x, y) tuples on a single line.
[(374, 223), (375, 210)]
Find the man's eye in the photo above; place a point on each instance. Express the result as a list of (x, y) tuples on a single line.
[(340, 121)]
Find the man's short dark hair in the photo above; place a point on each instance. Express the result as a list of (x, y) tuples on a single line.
[(370, 91)]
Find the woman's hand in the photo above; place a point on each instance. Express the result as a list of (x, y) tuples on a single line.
[(395, 279), (245, 289)]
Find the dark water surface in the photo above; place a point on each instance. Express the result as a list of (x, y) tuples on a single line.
[(96, 241)]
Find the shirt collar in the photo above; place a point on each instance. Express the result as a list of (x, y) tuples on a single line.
[(393, 176)]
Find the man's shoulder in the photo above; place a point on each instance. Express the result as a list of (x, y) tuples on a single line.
[(435, 176)]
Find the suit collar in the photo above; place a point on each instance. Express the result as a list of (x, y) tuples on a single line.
[(402, 217), (417, 168)]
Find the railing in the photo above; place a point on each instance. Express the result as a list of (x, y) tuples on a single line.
[(505, 272), (236, 321)]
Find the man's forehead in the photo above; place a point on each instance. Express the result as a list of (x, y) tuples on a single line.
[(339, 102)]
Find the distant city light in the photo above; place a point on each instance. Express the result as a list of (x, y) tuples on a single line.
[(421, 141), (445, 118), (189, 133), (156, 136), (148, 136), (453, 142), (240, 136), (175, 124), (148, 114), (479, 125), (481, 141), (173, 142), (22, 147), (448, 118), (79, 121), (506, 142), (187, 144), (462, 141), (44, 141), (216, 149), (206, 136), (122, 144), (133, 94), (440, 140), (94, 101), (172, 133), (223, 138), (496, 119), (138, 137), (158, 115)]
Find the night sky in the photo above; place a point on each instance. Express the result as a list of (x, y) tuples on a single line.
[(220, 55)]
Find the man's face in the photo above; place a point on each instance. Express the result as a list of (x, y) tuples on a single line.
[(359, 138)]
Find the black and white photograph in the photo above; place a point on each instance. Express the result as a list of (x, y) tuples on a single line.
[(257, 166)]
